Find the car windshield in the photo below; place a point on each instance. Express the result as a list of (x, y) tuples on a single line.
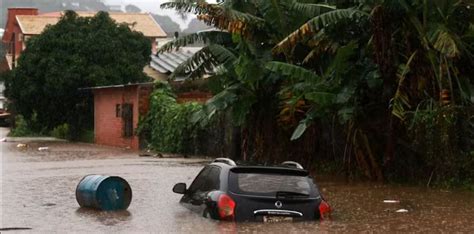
[(270, 184)]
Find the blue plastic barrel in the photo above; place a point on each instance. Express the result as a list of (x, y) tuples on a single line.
[(104, 192)]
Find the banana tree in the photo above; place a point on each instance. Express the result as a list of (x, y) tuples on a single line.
[(432, 36), (250, 29)]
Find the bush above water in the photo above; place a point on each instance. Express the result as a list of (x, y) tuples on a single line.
[(61, 131)]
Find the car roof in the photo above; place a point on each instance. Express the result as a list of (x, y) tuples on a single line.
[(270, 169), (256, 168)]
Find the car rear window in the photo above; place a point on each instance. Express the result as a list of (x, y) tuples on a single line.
[(269, 184)]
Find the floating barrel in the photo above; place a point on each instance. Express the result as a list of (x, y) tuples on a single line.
[(104, 192)]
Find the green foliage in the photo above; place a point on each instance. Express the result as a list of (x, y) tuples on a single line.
[(21, 128), (75, 53), (61, 132), (86, 135), (361, 72), (167, 125), (442, 137)]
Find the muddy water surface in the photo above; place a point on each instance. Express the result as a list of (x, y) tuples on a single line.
[(38, 192)]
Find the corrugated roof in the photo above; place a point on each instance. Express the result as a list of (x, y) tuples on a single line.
[(146, 84), (167, 62), (140, 22)]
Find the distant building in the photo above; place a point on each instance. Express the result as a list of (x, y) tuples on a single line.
[(24, 23)]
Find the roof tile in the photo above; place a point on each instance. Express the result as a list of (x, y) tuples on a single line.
[(141, 22)]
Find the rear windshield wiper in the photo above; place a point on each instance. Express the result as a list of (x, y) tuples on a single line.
[(290, 194)]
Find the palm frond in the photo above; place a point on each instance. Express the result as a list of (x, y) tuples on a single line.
[(219, 16), (275, 13), (311, 9), (203, 62), (401, 100), (223, 55), (446, 44), (291, 70), (311, 27), (187, 6), (340, 64), (196, 66), (206, 37), (218, 102)]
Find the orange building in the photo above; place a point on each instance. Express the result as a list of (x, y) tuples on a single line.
[(23, 23), (117, 109)]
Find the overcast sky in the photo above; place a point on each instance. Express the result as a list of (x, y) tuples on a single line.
[(153, 6)]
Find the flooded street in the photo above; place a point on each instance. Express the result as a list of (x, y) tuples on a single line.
[(38, 192)]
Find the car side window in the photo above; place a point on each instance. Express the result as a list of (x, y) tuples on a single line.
[(207, 180), (213, 181), (200, 180)]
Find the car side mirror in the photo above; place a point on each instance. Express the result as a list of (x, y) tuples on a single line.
[(179, 188)]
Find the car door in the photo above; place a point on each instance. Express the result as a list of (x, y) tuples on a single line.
[(208, 180)]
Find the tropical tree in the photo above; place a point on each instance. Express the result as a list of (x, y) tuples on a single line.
[(369, 72), (240, 51), (431, 36)]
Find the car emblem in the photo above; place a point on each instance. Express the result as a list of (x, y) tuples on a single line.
[(278, 204)]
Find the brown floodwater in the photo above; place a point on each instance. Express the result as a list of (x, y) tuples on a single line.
[(38, 192)]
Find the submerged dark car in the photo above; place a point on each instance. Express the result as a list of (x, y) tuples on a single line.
[(226, 191)]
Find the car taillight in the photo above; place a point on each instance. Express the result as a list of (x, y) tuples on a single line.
[(324, 210), (226, 207)]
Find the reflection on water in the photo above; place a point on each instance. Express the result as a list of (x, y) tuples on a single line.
[(38, 191), (107, 218)]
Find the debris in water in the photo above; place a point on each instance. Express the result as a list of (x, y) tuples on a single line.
[(21, 146), (3, 140), (391, 201), (14, 228), (49, 204), (402, 211), (43, 148), (158, 155), (104, 192)]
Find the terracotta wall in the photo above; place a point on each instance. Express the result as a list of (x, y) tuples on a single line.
[(13, 27), (194, 96), (109, 129)]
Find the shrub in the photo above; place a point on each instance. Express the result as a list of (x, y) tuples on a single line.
[(167, 125), (61, 131), (21, 128)]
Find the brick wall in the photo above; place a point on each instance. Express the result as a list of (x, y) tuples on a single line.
[(108, 128), (144, 93), (13, 27), (194, 96)]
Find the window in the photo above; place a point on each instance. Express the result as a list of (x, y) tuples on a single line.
[(127, 116), (213, 181), (269, 184), (200, 180), (207, 180)]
